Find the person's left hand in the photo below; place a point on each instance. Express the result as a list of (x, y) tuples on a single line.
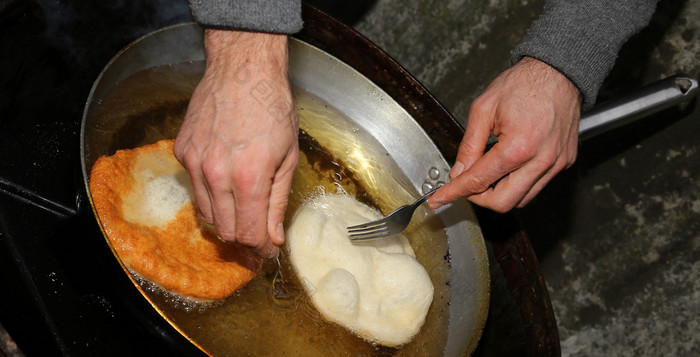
[(534, 111), (239, 139)]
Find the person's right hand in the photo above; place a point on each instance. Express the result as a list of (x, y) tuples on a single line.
[(239, 140), (534, 110)]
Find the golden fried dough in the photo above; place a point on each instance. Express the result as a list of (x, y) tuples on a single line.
[(144, 200)]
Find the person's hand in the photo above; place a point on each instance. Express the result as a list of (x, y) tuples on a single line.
[(239, 139), (534, 111)]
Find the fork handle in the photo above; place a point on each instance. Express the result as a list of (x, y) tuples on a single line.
[(424, 197)]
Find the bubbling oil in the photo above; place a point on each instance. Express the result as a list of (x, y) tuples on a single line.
[(262, 319)]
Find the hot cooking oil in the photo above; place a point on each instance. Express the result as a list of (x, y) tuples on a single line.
[(334, 152)]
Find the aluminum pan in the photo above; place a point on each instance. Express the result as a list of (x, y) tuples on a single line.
[(403, 141)]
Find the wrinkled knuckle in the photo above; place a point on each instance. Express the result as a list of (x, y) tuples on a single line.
[(179, 150), (206, 217), (520, 151), (547, 161), (227, 235), (477, 184), (188, 158), (249, 240), (244, 178), (480, 106), (213, 171)]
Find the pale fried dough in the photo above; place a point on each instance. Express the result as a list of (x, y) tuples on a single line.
[(377, 289), (143, 198)]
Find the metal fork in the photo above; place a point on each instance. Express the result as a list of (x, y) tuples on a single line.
[(393, 223)]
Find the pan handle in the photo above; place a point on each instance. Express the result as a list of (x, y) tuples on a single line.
[(638, 104)]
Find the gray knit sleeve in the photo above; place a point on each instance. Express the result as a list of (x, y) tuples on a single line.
[(278, 16), (581, 38)]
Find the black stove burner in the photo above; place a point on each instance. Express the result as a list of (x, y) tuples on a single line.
[(61, 290)]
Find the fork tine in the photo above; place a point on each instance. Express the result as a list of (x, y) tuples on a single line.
[(394, 222), (369, 224), (376, 230), (367, 228), (370, 235), (362, 239)]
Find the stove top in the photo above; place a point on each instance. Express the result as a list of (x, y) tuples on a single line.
[(62, 293)]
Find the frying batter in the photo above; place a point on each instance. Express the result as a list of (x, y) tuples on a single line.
[(144, 200), (376, 289)]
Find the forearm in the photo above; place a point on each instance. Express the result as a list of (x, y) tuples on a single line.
[(581, 38), (243, 51)]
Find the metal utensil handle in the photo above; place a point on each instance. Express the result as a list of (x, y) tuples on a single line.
[(646, 101), (424, 197)]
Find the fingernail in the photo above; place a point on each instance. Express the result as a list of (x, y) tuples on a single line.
[(457, 169), (434, 204), (280, 233)]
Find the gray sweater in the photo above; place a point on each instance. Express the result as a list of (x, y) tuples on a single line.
[(277, 16), (580, 38)]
